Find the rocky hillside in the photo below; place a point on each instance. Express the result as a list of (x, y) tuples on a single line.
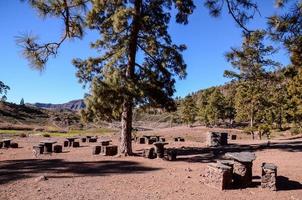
[(74, 105), (13, 116)]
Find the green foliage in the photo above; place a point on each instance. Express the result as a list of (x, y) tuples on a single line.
[(3, 90), (251, 62), (46, 135), (188, 110)]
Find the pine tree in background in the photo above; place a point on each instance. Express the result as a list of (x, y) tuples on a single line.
[(188, 110), (3, 91), (252, 61), (22, 102), (287, 29), (216, 107)]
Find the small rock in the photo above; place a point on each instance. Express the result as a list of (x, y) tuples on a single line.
[(189, 177), (41, 178), (39, 189)]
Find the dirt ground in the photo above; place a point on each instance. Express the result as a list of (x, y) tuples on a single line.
[(77, 174)]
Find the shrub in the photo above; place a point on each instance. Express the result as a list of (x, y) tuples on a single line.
[(46, 135)]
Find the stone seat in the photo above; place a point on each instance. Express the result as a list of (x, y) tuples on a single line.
[(110, 150), (218, 176), (269, 176), (96, 150)]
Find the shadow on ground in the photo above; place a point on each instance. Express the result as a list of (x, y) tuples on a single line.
[(211, 154), (14, 170)]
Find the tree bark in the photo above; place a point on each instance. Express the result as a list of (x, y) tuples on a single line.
[(126, 121)]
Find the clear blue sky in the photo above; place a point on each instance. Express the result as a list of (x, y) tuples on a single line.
[(207, 40)]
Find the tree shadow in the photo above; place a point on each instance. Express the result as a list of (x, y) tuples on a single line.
[(14, 170)]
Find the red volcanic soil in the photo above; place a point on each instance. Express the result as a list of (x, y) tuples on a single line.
[(77, 174)]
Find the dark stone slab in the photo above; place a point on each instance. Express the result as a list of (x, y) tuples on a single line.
[(66, 143), (83, 139), (141, 140)]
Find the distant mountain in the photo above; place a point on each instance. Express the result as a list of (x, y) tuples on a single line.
[(71, 105)]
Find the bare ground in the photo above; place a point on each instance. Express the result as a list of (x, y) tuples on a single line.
[(77, 174)]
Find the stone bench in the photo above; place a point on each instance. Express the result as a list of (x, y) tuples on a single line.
[(218, 176), (96, 150), (269, 176), (110, 150), (57, 148)]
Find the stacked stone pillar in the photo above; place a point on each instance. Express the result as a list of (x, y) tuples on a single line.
[(269, 176)]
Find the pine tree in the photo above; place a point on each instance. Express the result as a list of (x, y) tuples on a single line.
[(252, 60), (188, 110), (22, 102), (3, 90), (216, 107), (286, 28), (127, 29)]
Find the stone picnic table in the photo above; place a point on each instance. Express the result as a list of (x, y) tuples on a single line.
[(71, 140), (242, 168), (48, 145), (160, 149), (6, 142)]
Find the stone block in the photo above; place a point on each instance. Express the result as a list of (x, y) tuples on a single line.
[(149, 153), (269, 176), (83, 139), (242, 174), (218, 176), (92, 140), (141, 140), (215, 139), (14, 145), (66, 143), (57, 148), (96, 150), (76, 144), (170, 154), (110, 150)]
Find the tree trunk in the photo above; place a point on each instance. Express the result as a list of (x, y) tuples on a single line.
[(126, 146), (126, 121), (252, 118)]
